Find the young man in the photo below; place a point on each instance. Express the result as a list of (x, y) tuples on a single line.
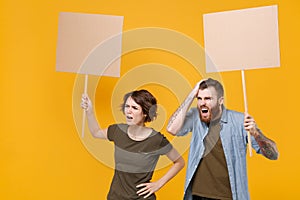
[(217, 158)]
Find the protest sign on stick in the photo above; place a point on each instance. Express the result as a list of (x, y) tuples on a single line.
[(89, 44), (241, 40)]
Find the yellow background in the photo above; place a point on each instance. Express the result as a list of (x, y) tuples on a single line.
[(41, 153)]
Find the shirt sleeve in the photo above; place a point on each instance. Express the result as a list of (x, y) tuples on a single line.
[(187, 125), (111, 132), (165, 146)]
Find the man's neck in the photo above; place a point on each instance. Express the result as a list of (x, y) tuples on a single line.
[(217, 116)]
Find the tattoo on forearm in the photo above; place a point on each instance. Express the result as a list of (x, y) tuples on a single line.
[(268, 147), (189, 99), (174, 116)]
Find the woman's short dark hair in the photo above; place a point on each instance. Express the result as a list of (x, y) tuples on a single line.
[(146, 100), (212, 83)]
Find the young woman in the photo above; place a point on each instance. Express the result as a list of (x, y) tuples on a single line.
[(137, 147)]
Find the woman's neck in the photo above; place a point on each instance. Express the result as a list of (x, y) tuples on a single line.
[(138, 133)]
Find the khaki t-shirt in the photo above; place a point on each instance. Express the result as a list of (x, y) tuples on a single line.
[(135, 161)]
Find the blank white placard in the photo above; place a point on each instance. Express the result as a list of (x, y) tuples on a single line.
[(89, 44), (242, 39)]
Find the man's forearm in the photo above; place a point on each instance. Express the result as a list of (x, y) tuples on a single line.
[(267, 146), (177, 119)]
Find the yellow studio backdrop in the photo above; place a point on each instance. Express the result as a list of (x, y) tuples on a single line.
[(42, 154)]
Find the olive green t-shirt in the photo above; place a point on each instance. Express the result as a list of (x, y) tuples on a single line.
[(135, 161), (211, 179)]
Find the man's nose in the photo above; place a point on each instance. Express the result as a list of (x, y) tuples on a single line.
[(202, 103)]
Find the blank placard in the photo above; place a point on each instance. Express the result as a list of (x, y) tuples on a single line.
[(89, 44), (242, 39)]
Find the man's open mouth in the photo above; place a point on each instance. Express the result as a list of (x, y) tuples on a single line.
[(204, 110)]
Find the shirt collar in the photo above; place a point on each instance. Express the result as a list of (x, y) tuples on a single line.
[(224, 117)]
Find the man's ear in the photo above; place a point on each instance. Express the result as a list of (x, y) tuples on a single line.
[(221, 100)]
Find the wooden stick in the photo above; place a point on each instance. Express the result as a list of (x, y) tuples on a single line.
[(84, 112), (246, 110)]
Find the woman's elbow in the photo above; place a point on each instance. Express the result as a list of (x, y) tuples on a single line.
[(180, 162)]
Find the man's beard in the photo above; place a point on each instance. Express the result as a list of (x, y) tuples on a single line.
[(207, 118), (211, 112)]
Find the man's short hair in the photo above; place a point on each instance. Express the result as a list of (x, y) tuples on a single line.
[(212, 83)]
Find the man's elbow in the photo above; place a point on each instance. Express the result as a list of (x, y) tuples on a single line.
[(274, 156), (171, 130)]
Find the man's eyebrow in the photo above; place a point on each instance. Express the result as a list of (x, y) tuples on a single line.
[(204, 97)]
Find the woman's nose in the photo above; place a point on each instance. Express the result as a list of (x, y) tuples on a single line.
[(128, 110)]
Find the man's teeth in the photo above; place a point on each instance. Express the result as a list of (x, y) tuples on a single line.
[(128, 117), (204, 110)]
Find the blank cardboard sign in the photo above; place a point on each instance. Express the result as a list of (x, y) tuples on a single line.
[(242, 39), (89, 44)]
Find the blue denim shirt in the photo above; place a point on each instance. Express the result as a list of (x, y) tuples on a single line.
[(234, 141)]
